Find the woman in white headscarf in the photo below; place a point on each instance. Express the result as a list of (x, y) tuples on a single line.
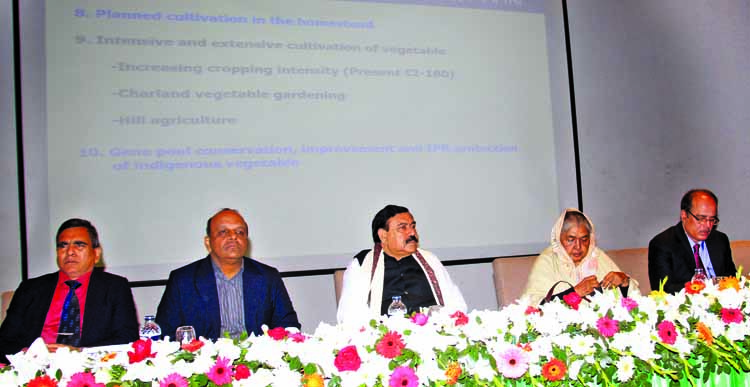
[(573, 257)]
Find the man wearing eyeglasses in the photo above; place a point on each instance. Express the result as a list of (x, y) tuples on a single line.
[(692, 244), (76, 306)]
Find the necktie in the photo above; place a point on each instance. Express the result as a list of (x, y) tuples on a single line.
[(69, 331), (697, 256)]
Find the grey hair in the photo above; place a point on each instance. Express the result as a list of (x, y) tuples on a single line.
[(574, 218)]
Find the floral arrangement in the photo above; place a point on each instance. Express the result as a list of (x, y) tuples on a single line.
[(609, 340)]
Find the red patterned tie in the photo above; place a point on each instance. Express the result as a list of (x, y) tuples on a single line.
[(697, 256)]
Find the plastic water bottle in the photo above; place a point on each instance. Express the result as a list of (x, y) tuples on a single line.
[(396, 308), (150, 329), (699, 276)]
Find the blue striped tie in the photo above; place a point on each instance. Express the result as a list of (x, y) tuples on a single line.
[(69, 331)]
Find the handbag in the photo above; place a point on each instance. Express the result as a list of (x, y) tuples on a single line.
[(551, 291)]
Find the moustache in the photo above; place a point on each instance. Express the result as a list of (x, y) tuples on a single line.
[(412, 238)]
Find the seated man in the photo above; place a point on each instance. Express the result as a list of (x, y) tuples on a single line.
[(225, 292), (573, 257), (692, 243), (395, 267), (76, 306)]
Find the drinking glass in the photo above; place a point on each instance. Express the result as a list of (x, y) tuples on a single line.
[(184, 335)]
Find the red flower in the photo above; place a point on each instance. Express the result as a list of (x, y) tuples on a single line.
[(731, 315), (390, 345), (667, 332), (278, 333), (531, 310), (694, 287), (298, 337), (572, 299), (42, 381), (192, 346), (141, 351), (554, 370), (220, 373), (241, 371), (347, 359), (461, 318)]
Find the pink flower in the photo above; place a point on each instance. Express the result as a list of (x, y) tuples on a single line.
[(141, 351), (173, 380), (667, 332), (513, 363), (461, 318), (220, 373), (241, 371), (298, 337), (628, 303), (731, 315), (607, 326), (390, 345), (572, 299), (419, 319), (347, 359), (278, 333), (83, 379), (403, 376)]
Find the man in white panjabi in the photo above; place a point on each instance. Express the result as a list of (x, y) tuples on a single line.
[(395, 266)]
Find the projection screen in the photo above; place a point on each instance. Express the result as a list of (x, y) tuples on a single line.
[(307, 116)]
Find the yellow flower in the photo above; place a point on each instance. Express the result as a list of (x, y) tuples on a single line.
[(313, 380), (704, 333), (453, 373), (729, 282)]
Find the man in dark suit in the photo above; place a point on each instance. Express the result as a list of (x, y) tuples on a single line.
[(693, 243), (104, 311), (225, 292)]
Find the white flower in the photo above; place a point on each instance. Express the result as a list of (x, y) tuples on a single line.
[(575, 368), (625, 368), (10, 378), (730, 298), (225, 348), (262, 377), (582, 345)]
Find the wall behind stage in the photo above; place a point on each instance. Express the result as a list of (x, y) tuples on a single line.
[(661, 91)]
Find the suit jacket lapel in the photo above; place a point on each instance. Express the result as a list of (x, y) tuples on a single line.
[(686, 250), (205, 286), (715, 252), (253, 293), (95, 296)]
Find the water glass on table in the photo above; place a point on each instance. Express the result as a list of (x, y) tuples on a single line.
[(184, 335)]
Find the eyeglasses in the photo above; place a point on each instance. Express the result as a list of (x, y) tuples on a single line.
[(704, 219)]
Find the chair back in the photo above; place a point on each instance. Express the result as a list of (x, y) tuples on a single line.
[(633, 262), (338, 283), (5, 298), (510, 276), (741, 254)]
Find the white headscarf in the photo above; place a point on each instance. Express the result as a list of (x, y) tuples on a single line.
[(589, 264)]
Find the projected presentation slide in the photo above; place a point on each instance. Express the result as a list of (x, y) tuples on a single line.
[(306, 116)]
